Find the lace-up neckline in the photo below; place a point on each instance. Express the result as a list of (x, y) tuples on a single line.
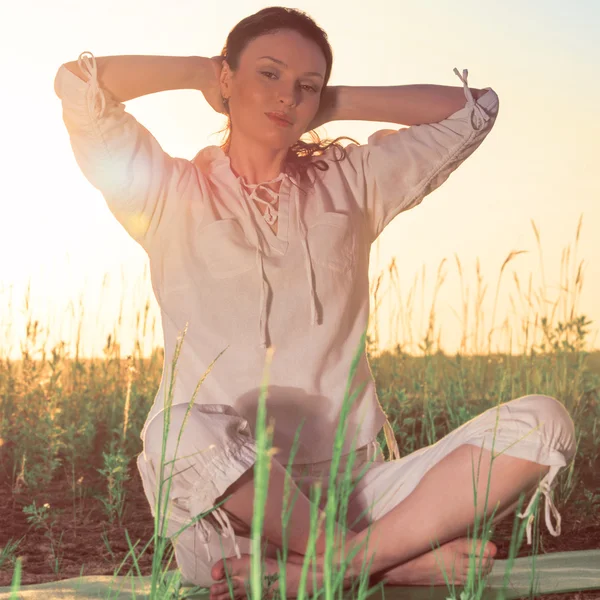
[(270, 214)]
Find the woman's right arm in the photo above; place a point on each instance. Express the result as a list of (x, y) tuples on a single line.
[(141, 183), (131, 76)]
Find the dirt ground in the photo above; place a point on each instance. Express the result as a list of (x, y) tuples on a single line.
[(83, 526)]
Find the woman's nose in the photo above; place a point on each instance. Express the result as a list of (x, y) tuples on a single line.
[(287, 96)]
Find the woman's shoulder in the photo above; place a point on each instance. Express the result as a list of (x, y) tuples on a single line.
[(209, 158)]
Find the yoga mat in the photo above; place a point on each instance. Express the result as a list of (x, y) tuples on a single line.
[(554, 573)]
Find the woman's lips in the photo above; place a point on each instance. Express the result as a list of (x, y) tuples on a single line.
[(278, 121)]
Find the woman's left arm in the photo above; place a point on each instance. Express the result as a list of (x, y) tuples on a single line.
[(402, 104)]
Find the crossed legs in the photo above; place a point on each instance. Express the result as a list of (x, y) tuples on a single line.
[(442, 507)]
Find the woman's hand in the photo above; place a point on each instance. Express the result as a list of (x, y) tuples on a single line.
[(209, 82)]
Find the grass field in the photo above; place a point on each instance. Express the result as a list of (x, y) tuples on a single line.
[(72, 498)]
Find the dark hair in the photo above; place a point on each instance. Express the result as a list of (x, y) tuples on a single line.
[(271, 20)]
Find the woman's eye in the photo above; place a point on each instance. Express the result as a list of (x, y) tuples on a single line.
[(310, 87)]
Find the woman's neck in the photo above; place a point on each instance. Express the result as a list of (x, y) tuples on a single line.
[(257, 164)]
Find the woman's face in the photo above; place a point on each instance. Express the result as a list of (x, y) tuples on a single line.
[(262, 85)]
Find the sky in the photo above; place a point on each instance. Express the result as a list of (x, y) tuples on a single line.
[(68, 264)]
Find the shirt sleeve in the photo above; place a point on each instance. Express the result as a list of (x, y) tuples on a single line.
[(396, 169), (119, 156)]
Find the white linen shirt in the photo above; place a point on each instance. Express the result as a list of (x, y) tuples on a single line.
[(224, 281)]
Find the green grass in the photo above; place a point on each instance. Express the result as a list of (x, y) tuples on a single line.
[(425, 397)]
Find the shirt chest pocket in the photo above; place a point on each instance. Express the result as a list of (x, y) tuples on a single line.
[(331, 242), (222, 246)]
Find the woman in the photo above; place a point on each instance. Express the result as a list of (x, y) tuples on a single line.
[(264, 242)]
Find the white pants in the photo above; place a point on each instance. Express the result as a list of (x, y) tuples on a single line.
[(216, 449)]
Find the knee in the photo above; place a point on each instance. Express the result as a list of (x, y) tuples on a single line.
[(554, 420)]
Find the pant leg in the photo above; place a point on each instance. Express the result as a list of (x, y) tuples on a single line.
[(533, 427), (215, 449)]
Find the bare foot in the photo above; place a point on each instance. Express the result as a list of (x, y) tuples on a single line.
[(428, 568), (239, 572)]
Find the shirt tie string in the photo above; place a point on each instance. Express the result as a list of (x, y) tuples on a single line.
[(258, 244), (545, 487), (227, 531), (314, 319), (476, 110), (94, 92), (270, 217)]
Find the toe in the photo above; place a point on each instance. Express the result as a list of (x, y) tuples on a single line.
[(217, 588), (217, 570), (491, 549), (220, 591)]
